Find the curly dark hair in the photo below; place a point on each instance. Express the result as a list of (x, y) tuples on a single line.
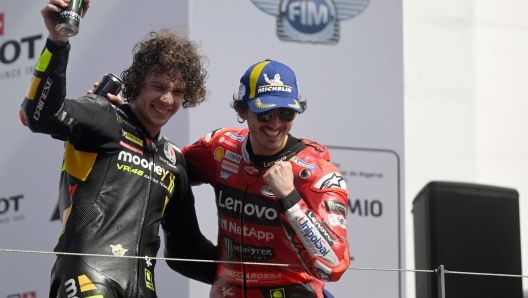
[(170, 53), (242, 107)]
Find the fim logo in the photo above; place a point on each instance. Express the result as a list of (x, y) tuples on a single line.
[(315, 21)]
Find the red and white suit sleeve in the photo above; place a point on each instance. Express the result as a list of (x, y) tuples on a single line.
[(316, 212), (200, 160)]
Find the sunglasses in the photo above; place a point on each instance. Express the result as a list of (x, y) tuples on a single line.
[(286, 115)]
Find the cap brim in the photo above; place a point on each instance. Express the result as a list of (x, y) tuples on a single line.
[(266, 103)]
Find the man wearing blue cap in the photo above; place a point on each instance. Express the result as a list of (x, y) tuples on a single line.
[(280, 201)]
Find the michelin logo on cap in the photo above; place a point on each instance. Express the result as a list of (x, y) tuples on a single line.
[(268, 85), (315, 21)]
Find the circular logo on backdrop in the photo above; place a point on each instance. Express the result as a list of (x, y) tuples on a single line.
[(309, 17), (312, 21), (315, 21)]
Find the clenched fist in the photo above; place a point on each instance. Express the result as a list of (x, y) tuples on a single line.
[(280, 179)]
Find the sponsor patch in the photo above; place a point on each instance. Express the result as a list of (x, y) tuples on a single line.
[(252, 276), (227, 142), (252, 171), (332, 180), (317, 243), (303, 163), (169, 152), (225, 175), (131, 148), (230, 166), (219, 153), (266, 190), (233, 156), (149, 279), (333, 206), (118, 250), (275, 85), (234, 250), (234, 227), (269, 164), (122, 120), (234, 136), (320, 227), (256, 209), (132, 138), (42, 99), (337, 220), (165, 161), (278, 293)]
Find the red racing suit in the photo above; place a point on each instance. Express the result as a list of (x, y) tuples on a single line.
[(306, 229)]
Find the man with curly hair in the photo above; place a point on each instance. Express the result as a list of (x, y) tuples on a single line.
[(120, 177)]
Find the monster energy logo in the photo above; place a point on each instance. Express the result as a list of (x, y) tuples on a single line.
[(228, 248), (334, 206), (247, 252), (74, 10)]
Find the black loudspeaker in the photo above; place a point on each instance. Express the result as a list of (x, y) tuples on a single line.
[(469, 228)]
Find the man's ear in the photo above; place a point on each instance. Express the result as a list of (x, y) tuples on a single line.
[(242, 114)]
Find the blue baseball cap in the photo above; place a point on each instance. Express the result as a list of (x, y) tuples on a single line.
[(269, 85)]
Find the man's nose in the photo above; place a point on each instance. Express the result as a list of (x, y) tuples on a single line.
[(167, 97), (275, 121)]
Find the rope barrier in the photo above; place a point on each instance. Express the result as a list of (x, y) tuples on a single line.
[(147, 258)]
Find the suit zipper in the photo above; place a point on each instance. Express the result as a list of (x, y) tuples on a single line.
[(242, 257), (144, 214)]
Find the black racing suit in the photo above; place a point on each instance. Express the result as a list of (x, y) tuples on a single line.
[(117, 185)]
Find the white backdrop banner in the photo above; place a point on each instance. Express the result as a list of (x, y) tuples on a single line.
[(348, 58)]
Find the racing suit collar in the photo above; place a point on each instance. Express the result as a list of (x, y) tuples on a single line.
[(128, 111), (293, 146)]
